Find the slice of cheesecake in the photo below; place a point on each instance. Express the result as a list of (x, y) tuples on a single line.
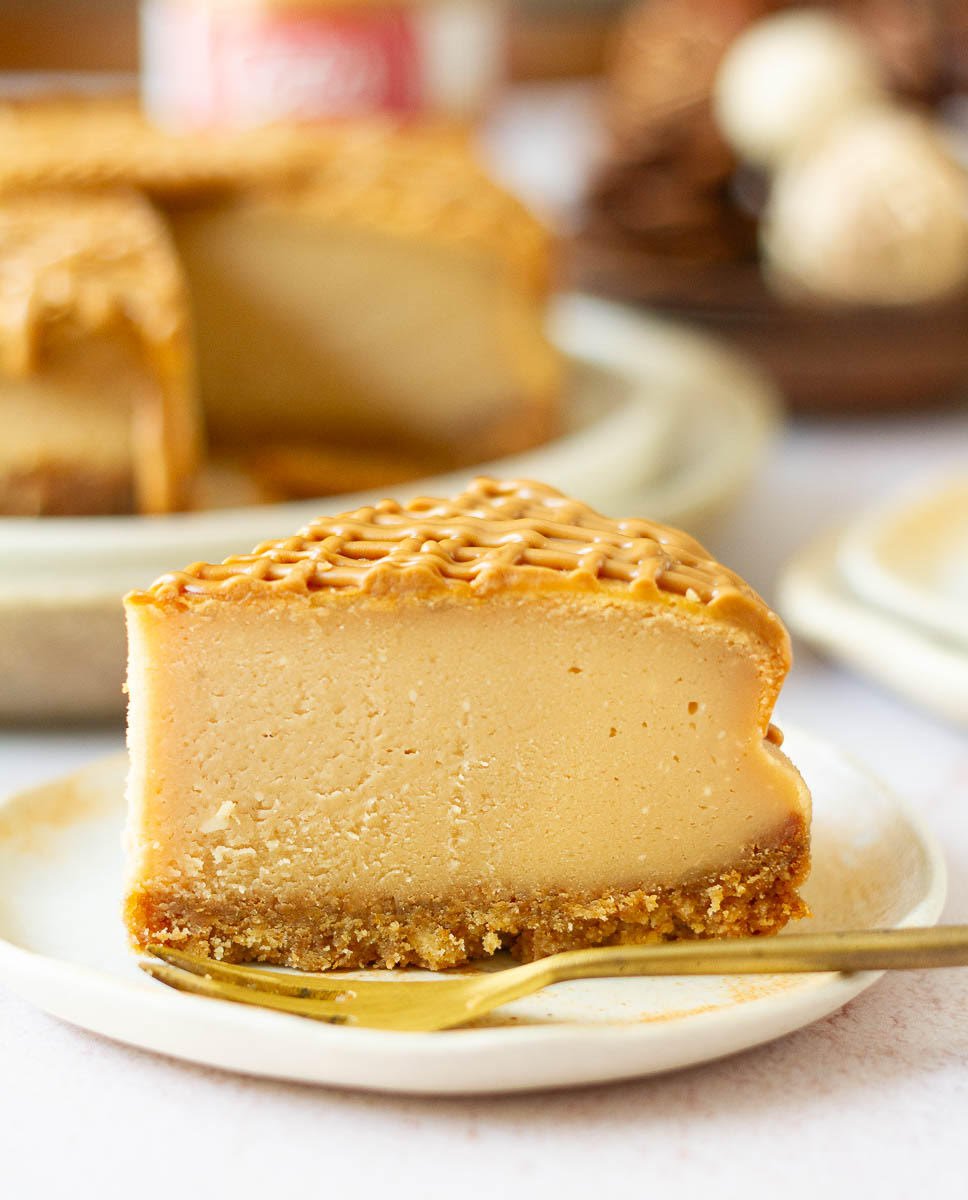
[(419, 734), (96, 402)]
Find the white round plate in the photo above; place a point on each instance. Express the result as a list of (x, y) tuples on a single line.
[(661, 422), (62, 946), (818, 602), (911, 556)]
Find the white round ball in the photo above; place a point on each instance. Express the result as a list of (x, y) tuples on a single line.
[(786, 77), (874, 212)]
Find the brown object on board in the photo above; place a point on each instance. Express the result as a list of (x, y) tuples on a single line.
[(666, 180), (830, 360)]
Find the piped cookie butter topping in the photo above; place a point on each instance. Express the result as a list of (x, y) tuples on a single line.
[(497, 536)]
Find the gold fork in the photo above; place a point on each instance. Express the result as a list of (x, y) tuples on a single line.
[(441, 1003)]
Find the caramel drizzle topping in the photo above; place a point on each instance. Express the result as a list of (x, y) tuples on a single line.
[(494, 536)]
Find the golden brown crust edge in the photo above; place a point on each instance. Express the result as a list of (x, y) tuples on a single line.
[(755, 899), (65, 490)]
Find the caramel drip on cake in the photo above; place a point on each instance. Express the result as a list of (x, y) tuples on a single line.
[(496, 536)]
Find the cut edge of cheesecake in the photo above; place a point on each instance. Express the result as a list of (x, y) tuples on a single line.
[(411, 575), (465, 371), (93, 299)]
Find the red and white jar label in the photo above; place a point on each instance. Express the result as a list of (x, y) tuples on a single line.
[(212, 64)]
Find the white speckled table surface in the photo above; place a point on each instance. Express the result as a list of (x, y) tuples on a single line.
[(873, 1097)]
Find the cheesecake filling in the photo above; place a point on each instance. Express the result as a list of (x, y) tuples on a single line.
[(67, 442), (287, 311), (420, 781)]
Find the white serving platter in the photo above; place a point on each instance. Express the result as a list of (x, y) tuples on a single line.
[(62, 946), (660, 422)]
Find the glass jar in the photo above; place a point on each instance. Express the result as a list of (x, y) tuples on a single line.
[(244, 63)]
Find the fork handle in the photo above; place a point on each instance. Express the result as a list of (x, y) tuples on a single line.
[(860, 950)]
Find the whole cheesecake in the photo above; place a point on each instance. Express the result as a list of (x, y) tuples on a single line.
[(419, 734), (364, 304)]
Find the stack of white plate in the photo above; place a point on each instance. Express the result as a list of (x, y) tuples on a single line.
[(660, 422), (888, 594)]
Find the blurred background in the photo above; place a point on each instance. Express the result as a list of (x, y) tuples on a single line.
[(672, 157)]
